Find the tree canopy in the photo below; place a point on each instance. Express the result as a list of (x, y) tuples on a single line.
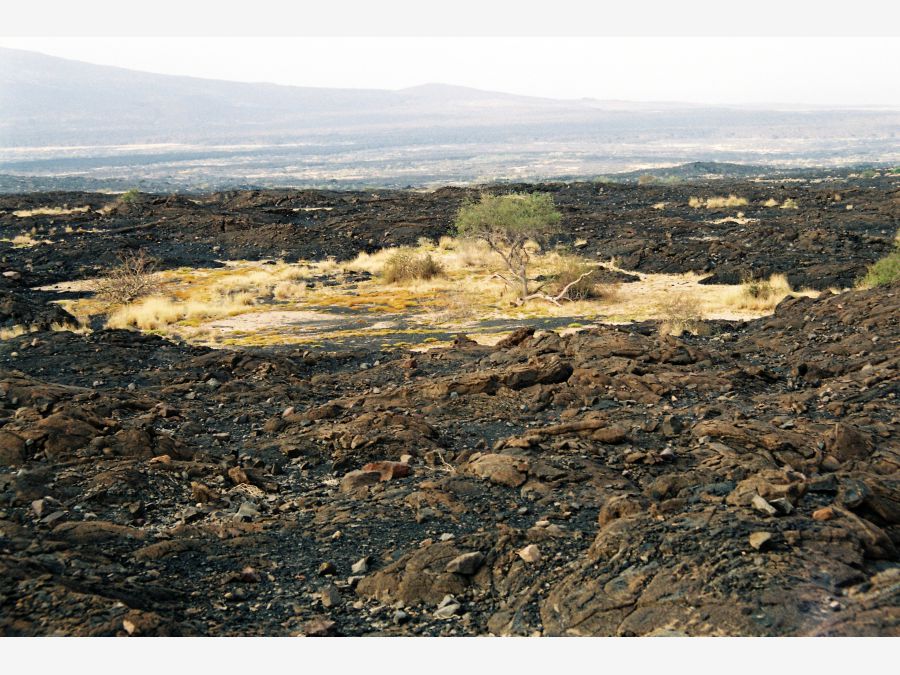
[(504, 219)]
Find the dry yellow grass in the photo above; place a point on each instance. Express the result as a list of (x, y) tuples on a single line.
[(717, 202), (12, 332), (16, 331), (682, 313), (759, 295), (289, 290), (50, 211), (158, 312), (26, 240), (192, 302), (790, 204), (405, 265)]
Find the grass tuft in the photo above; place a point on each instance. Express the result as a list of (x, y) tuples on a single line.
[(407, 265)]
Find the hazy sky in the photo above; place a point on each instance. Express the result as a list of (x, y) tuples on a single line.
[(814, 70)]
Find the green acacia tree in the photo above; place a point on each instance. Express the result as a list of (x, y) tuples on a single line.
[(507, 223)]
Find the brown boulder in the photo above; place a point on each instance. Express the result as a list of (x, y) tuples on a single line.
[(12, 449), (500, 469), (845, 442), (388, 470), (420, 576), (64, 435), (354, 481)]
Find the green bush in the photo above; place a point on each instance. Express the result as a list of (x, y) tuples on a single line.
[(130, 196), (885, 271)]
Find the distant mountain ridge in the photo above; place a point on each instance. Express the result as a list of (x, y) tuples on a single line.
[(62, 117)]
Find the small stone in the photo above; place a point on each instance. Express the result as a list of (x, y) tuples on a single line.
[(762, 506), (38, 507), (53, 517), (319, 628), (400, 617), (447, 536), (327, 569), (249, 575), (667, 454), (361, 566), (835, 606), (759, 539), (129, 626), (466, 564), (246, 512), (530, 554), (447, 611), (288, 411), (783, 506), (825, 513), (330, 596)]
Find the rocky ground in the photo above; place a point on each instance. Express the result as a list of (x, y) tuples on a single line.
[(838, 228), (610, 482)]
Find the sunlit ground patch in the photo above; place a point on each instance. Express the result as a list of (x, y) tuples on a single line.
[(326, 302)]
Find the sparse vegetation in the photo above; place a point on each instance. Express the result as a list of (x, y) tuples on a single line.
[(717, 202), (885, 271), (507, 223), (157, 312), (27, 240), (260, 303), (407, 265), (50, 211), (572, 277), (682, 313), (15, 331), (133, 278), (760, 295), (790, 204), (129, 196)]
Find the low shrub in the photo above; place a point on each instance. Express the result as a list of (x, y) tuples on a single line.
[(717, 202), (885, 271), (405, 265), (682, 314), (572, 270), (134, 277)]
